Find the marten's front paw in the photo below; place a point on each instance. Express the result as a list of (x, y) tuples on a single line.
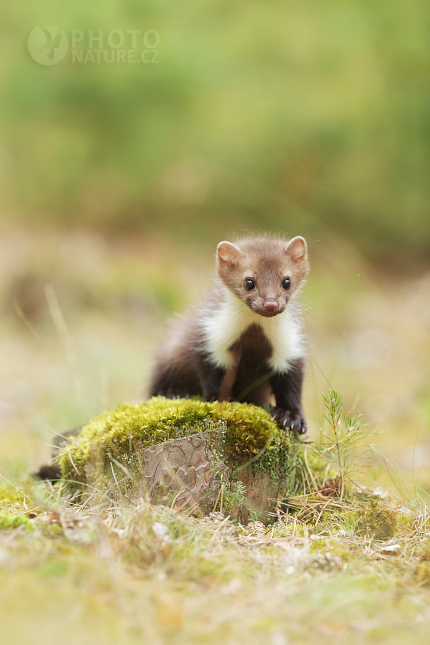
[(294, 421)]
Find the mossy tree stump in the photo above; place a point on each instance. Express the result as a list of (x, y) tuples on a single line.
[(187, 454)]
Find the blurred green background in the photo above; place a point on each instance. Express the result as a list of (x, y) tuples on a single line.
[(118, 179), (257, 113)]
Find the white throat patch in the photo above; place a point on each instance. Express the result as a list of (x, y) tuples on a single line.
[(226, 325)]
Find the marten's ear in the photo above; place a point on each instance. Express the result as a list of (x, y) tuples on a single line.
[(228, 253), (297, 249)]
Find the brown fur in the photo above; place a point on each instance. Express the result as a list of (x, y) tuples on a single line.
[(184, 366), (267, 260)]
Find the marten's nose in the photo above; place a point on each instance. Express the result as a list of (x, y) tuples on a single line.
[(271, 305)]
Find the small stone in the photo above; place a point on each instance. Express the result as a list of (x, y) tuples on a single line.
[(390, 548), (160, 530)]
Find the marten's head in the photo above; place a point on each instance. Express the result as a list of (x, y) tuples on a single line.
[(263, 271)]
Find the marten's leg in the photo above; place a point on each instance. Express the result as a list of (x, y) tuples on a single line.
[(211, 377), (287, 389), (171, 381), (163, 380)]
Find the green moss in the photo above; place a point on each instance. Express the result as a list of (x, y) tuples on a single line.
[(422, 572), (423, 551), (53, 568), (404, 521), (378, 521), (9, 520), (422, 568), (234, 497), (248, 432), (9, 495), (350, 521)]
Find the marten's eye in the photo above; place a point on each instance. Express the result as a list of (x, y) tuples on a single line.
[(249, 284), (286, 284)]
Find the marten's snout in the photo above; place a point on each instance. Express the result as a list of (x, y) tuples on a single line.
[(271, 306)]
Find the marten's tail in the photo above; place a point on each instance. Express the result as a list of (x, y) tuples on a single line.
[(52, 472)]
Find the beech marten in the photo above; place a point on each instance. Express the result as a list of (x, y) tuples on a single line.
[(244, 342)]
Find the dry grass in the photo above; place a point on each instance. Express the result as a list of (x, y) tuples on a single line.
[(93, 573), (137, 573)]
